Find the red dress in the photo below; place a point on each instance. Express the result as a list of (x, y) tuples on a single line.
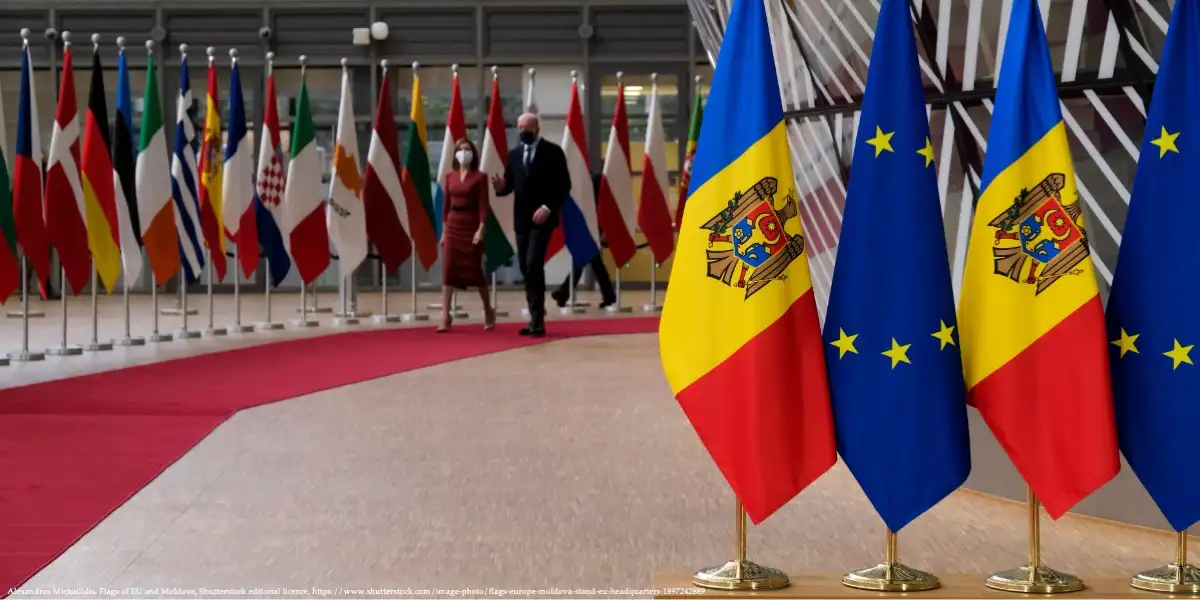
[(464, 209)]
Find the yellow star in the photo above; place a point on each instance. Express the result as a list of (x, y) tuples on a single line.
[(882, 141), (927, 152), (1179, 354), (1127, 343), (1166, 143), (945, 335), (898, 353), (844, 343)]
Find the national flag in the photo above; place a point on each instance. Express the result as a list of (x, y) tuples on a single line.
[(739, 335), (124, 180), (211, 210), (499, 238), (415, 180), (155, 207), (1157, 284), (183, 180), (654, 216), (96, 170), (237, 180), (64, 208), (303, 225), (1030, 317), (456, 129), (344, 214), (382, 195), (32, 236), (10, 270), (268, 197), (615, 213), (890, 342), (579, 230), (685, 174)]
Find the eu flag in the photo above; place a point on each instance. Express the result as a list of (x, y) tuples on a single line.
[(895, 373), (1152, 319)]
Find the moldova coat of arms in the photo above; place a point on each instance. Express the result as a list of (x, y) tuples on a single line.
[(748, 246), (1040, 238)]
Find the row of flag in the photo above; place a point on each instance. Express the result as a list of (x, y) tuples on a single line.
[(886, 383)]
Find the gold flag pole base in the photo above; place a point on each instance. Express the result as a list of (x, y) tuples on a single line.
[(1178, 577), (891, 576), (740, 574), (1035, 578)]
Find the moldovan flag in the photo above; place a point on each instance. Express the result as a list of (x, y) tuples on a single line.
[(685, 173), (344, 213), (10, 270), (155, 207), (237, 181), (456, 129), (99, 197), (303, 228), (654, 216), (895, 375), (498, 235), (739, 336), (382, 195), (415, 180), (183, 180), (211, 212), (124, 179), (64, 192), (614, 207), (27, 179), (267, 210), (1032, 326), (579, 228), (1152, 327)]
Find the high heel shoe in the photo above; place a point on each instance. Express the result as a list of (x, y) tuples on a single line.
[(489, 319), (446, 323)]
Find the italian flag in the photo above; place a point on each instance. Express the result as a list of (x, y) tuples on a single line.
[(304, 198), (156, 209), (418, 191)]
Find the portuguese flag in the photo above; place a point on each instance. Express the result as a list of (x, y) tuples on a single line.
[(685, 174), (418, 190)]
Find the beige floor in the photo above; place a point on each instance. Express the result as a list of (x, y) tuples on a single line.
[(566, 464)]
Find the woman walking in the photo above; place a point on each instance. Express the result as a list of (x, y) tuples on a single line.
[(464, 214)]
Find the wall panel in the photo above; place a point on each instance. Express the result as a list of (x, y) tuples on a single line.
[(523, 32), (448, 34), (633, 31)]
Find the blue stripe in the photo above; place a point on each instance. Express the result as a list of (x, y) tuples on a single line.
[(184, 146), (744, 104), (24, 121), (576, 235), (1026, 100), (271, 240), (237, 114), (124, 101)]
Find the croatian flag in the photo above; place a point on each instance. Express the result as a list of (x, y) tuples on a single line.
[(580, 230), (270, 189)]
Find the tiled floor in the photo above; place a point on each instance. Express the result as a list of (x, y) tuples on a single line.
[(566, 464)]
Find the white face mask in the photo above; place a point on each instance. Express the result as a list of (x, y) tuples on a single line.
[(463, 157)]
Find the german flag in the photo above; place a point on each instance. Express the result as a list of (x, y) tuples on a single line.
[(99, 197)]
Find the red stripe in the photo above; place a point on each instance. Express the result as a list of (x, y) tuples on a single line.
[(609, 217), (208, 214), (98, 168), (556, 244), (764, 413), (10, 271), (457, 121), (621, 124), (67, 229), (247, 240), (654, 217), (310, 245), (27, 210), (1051, 408), (384, 228)]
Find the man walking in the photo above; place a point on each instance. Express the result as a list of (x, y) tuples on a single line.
[(537, 177)]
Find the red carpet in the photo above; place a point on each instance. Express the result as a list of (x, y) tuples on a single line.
[(73, 450)]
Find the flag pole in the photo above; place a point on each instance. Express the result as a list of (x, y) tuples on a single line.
[(496, 299), (345, 317), (303, 321), (1179, 577), (383, 316), (96, 345), (237, 326), (653, 305), (268, 324), (64, 349), (618, 307), (184, 333), (740, 574), (155, 336), (891, 575), (316, 294), (1034, 578), (571, 308), (25, 355), (210, 330)]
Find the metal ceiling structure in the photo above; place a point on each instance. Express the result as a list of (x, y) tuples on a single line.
[(1105, 55)]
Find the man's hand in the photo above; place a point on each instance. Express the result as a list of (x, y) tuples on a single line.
[(478, 236), (497, 182), (540, 215)]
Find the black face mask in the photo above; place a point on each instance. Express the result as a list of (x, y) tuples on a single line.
[(528, 137)]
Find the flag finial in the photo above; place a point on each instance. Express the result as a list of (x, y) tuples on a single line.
[(345, 64), (698, 78), (183, 50), (654, 79), (416, 65), (620, 74), (383, 64), (532, 71), (120, 43), (66, 38), (95, 40), (233, 54), (495, 72), (150, 47), (25, 36), (574, 75), (211, 52), (303, 64), (454, 69)]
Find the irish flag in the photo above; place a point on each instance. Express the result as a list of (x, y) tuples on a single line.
[(303, 202), (498, 235), (156, 212), (415, 181)]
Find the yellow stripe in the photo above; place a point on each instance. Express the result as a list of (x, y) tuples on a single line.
[(704, 320), (212, 179), (105, 251), (998, 317), (418, 112)]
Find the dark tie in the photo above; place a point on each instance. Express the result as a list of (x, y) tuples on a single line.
[(528, 157)]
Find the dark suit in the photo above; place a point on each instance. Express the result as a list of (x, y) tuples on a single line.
[(607, 295), (544, 182)]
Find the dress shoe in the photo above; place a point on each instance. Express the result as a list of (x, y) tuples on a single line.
[(560, 298), (608, 303)]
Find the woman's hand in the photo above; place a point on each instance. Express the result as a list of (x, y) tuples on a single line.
[(478, 236)]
